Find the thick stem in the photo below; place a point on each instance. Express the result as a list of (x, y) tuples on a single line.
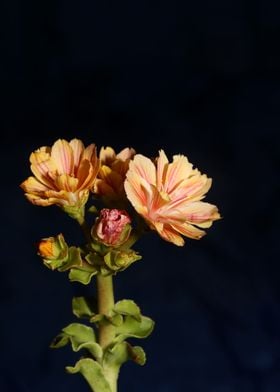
[(105, 300)]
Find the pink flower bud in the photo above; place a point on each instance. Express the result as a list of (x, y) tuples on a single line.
[(112, 227)]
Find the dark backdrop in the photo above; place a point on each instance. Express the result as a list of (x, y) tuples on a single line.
[(194, 77)]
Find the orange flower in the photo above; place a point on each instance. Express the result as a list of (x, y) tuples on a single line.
[(168, 196), (111, 176), (63, 174)]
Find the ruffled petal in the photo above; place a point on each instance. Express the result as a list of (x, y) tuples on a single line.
[(200, 213), (177, 171), (125, 154), (136, 193), (168, 233), (107, 155), (32, 185), (90, 153), (162, 164), (144, 168), (77, 148), (189, 231), (191, 189), (62, 157), (66, 183), (42, 166)]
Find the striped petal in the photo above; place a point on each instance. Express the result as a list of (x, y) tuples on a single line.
[(62, 156), (77, 149)]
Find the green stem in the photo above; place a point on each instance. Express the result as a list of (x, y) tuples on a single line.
[(105, 300)]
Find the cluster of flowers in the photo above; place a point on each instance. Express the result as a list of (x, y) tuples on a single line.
[(166, 194)]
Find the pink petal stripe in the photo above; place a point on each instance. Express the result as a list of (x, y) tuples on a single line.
[(62, 156), (77, 148)]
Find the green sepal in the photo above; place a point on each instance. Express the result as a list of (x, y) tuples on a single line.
[(77, 211), (128, 307), (93, 373), (83, 307), (80, 337), (119, 260), (131, 328), (93, 210)]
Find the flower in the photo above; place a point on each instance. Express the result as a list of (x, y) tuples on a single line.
[(109, 184), (112, 227), (168, 196), (63, 174)]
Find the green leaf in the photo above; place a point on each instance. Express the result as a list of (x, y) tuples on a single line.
[(128, 307), (134, 329), (73, 260), (116, 320), (137, 354), (121, 352), (83, 307), (81, 337), (115, 356), (82, 275), (93, 373)]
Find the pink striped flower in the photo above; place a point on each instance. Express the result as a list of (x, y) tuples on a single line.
[(168, 196), (62, 174)]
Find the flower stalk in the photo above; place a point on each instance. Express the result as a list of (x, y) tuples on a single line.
[(106, 330), (137, 195)]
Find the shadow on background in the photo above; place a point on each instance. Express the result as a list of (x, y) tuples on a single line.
[(196, 78)]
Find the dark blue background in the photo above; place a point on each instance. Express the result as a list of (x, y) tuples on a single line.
[(194, 77)]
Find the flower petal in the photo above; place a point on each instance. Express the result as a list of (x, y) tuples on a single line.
[(42, 166), (144, 168), (62, 156), (125, 154), (66, 183), (168, 233), (189, 231), (78, 149), (177, 171), (32, 185), (107, 155), (162, 164)]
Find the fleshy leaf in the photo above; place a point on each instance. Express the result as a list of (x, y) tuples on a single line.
[(93, 373), (74, 259), (116, 320), (83, 307), (134, 329), (122, 352), (82, 275), (128, 308), (137, 354), (80, 336), (115, 356)]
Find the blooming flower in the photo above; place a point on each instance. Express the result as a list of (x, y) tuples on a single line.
[(168, 196), (111, 176), (63, 174), (112, 227)]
